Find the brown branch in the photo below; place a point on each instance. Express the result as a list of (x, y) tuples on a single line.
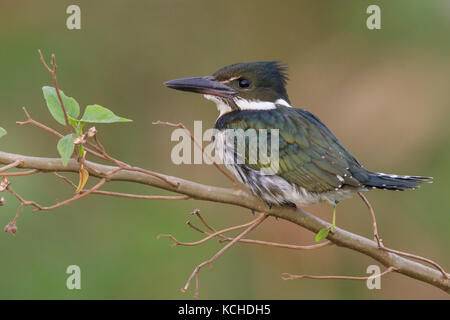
[(170, 181), (138, 196), (244, 199)]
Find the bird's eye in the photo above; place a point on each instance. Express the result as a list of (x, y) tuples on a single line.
[(244, 83)]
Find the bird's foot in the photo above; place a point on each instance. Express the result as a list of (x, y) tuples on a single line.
[(333, 226)]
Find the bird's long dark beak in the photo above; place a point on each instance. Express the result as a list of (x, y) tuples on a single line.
[(204, 85)]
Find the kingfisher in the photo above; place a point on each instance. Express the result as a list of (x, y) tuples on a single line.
[(313, 165)]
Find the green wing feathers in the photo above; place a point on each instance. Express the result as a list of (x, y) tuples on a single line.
[(310, 156)]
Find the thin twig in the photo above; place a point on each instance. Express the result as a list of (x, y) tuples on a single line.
[(20, 173), (35, 123), (12, 226), (74, 198), (413, 256), (282, 245), (22, 200), (289, 276), (405, 254), (215, 234), (99, 147), (15, 164), (196, 271), (65, 179), (199, 216), (251, 241), (55, 82), (124, 195), (374, 221)]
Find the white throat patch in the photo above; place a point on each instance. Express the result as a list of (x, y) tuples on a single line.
[(254, 104), (259, 105), (221, 106), (244, 104)]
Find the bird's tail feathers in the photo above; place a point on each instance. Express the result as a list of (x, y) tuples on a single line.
[(395, 182)]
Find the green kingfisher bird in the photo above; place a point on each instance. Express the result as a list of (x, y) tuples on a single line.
[(313, 165)]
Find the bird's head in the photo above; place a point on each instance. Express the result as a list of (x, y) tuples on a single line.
[(241, 86)]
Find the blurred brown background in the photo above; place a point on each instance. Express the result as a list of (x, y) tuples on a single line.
[(385, 94)]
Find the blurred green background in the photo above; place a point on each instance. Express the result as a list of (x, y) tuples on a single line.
[(385, 94)]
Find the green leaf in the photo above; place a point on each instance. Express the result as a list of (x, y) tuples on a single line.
[(322, 234), (66, 147), (98, 114), (54, 106), (2, 132)]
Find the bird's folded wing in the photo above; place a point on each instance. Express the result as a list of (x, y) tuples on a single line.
[(310, 156)]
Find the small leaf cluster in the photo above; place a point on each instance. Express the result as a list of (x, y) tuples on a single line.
[(92, 114)]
